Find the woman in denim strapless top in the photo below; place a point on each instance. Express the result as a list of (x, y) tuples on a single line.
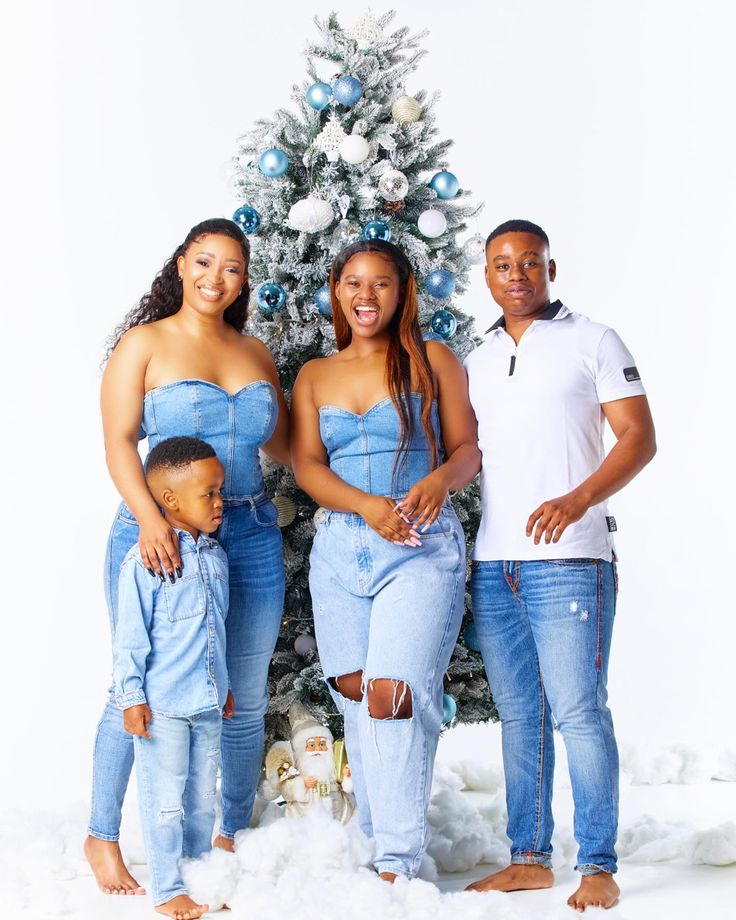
[(382, 431), (179, 365)]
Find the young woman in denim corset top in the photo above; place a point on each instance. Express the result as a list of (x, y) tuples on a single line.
[(381, 432), (179, 365)]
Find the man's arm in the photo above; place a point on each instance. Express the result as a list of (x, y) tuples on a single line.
[(631, 423)]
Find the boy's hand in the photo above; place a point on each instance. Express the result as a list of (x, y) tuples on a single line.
[(228, 710), (136, 720)]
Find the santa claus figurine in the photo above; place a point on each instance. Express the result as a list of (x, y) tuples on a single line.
[(304, 771)]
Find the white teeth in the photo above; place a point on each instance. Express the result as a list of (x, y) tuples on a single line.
[(210, 292)]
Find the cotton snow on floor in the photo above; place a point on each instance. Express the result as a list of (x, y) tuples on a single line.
[(677, 846)]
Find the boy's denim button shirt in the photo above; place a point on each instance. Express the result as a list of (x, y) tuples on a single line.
[(169, 643)]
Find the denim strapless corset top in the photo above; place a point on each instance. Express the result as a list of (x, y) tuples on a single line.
[(362, 448), (236, 424)]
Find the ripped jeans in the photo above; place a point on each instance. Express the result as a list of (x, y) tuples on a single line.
[(544, 630), (389, 616), (177, 774)]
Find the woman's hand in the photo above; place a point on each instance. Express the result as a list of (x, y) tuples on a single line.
[(159, 548), (382, 515), (423, 502)]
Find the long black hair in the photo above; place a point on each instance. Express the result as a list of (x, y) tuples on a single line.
[(165, 296)]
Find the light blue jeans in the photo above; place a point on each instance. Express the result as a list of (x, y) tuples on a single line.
[(392, 612), (252, 540), (544, 629), (177, 779)]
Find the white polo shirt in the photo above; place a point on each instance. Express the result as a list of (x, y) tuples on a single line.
[(540, 429)]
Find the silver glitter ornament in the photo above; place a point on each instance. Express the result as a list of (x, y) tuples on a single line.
[(474, 250), (393, 185)]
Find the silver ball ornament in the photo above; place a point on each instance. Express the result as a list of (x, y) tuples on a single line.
[(304, 644), (474, 250), (393, 185)]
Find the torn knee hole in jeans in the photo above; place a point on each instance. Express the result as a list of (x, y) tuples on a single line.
[(389, 699), (168, 815), (350, 686)]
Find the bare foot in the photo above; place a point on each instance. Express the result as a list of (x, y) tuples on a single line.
[(597, 890), (106, 862), (224, 843), (182, 907), (516, 877), (389, 877)]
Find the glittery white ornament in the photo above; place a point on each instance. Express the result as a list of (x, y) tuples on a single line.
[(432, 223), (310, 215), (474, 250), (406, 110), (393, 185), (354, 149), (330, 137), (365, 31)]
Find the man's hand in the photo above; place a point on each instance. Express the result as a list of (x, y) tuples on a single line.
[(552, 517), (136, 720), (228, 710)]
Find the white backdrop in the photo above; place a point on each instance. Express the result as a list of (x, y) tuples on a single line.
[(608, 123)]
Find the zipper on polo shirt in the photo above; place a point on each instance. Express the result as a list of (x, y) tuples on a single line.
[(512, 365)]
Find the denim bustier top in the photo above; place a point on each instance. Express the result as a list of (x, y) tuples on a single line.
[(362, 448), (236, 424)]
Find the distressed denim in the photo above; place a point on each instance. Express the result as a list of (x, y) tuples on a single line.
[(169, 644), (544, 630), (235, 425), (392, 612), (177, 778)]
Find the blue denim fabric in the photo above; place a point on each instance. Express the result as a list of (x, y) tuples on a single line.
[(169, 645), (393, 612), (252, 541), (177, 777), (544, 629)]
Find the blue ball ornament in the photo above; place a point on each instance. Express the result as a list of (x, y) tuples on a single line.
[(471, 638), (347, 90), (273, 162), (271, 297), (449, 708), (322, 300), (445, 184), (248, 219), (430, 336), (444, 323), (377, 230), (440, 283), (319, 95)]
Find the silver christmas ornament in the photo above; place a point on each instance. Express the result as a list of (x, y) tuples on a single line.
[(406, 110), (393, 185), (345, 233), (474, 250)]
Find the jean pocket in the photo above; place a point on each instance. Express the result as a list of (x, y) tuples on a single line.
[(266, 514), (184, 598)]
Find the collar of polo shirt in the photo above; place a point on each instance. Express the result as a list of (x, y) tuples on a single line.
[(553, 310)]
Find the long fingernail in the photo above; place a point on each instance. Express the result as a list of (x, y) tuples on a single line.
[(179, 571), (426, 527), (172, 578), (151, 573), (414, 532), (161, 576)]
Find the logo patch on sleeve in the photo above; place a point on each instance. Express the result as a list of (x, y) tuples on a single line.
[(611, 521), (631, 373)]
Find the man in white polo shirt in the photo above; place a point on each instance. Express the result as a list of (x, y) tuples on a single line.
[(543, 385)]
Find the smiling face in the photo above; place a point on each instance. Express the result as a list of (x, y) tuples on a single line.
[(191, 496), (368, 292), (213, 272), (519, 272)]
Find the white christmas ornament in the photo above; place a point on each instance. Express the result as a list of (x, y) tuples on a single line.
[(406, 110), (330, 137), (393, 185), (354, 149), (310, 215), (432, 223), (365, 31), (474, 250)]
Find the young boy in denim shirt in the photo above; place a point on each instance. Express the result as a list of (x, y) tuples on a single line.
[(169, 669)]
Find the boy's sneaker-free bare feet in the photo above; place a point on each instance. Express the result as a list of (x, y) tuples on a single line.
[(224, 843), (597, 890), (110, 872), (182, 907), (516, 877)]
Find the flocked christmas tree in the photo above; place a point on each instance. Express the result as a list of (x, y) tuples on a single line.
[(358, 159)]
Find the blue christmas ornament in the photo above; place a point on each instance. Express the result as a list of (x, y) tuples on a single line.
[(347, 90), (449, 709), (440, 284), (319, 95), (273, 162), (377, 230), (322, 300), (444, 323), (445, 184), (248, 219), (271, 297), (430, 336), (471, 638)]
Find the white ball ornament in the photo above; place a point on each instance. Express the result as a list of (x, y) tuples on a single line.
[(474, 250), (354, 149), (406, 110), (393, 185), (432, 223), (310, 215), (304, 644)]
